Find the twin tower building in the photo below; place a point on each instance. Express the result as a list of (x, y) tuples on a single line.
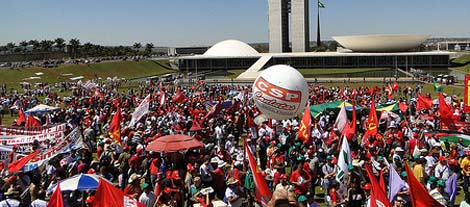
[(279, 29)]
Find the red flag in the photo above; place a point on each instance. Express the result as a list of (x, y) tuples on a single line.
[(263, 193), (419, 195), (350, 128), (31, 121), (372, 121), (423, 103), (56, 198), (445, 113), (395, 86), (378, 195), (109, 196), (304, 131), (115, 126), (21, 118), (389, 92), (382, 181), (466, 95), (179, 97), (18, 164), (98, 93)]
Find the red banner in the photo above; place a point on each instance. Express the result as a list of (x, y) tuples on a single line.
[(466, 95)]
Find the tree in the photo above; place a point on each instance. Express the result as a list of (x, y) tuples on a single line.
[(148, 48), (60, 43), (24, 44), (137, 46), (46, 45), (10, 46), (74, 46), (88, 49), (35, 44), (332, 46)]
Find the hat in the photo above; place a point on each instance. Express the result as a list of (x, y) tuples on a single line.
[(11, 191), (283, 176), (215, 160), (367, 186), (399, 149), (424, 150), (441, 183), (403, 174), (442, 158), (302, 198), (432, 179), (329, 157), (350, 167), (467, 152), (380, 158), (232, 181), (190, 167), (133, 177)]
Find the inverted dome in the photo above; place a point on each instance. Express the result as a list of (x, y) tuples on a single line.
[(381, 43), (231, 48)]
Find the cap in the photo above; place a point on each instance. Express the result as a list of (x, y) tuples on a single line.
[(399, 149), (403, 174), (442, 158), (329, 157), (380, 158), (367, 186), (302, 198), (283, 176), (441, 183)]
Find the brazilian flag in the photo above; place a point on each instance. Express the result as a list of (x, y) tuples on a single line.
[(437, 87), (320, 4)]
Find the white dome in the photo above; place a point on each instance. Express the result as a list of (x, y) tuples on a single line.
[(230, 48)]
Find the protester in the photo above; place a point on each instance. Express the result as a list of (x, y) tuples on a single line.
[(113, 144)]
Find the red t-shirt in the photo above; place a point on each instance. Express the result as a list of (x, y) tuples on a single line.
[(300, 177)]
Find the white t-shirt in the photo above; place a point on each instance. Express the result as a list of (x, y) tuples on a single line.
[(38, 203), (230, 193), (11, 203)]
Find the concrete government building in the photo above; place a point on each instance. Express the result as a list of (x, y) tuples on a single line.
[(360, 51)]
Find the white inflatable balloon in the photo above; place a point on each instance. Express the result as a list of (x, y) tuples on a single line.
[(280, 92)]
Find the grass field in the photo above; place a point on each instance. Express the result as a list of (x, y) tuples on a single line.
[(464, 59), (124, 69), (320, 71)]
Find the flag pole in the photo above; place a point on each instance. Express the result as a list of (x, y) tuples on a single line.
[(318, 25)]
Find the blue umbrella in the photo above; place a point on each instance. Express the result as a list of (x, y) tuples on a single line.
[(79, 182)]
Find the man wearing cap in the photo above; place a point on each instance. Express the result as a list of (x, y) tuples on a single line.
[(442, 171), (329, 172), (233, 193), (465, 166), (439, 194)]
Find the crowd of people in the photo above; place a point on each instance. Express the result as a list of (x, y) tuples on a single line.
[(297, 172)]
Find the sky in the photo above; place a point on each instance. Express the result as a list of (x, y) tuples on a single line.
[(206, 22)]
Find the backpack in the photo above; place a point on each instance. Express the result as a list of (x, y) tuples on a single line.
[(105, 159)]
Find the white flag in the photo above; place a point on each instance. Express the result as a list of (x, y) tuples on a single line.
[(344, 160), (342, 119), (140, 111)]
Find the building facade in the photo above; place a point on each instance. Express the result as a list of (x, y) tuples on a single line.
[(300, 25), (278, 17)]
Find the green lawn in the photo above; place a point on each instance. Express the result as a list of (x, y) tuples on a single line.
[(464, 59), (325, 71), (123, 69)]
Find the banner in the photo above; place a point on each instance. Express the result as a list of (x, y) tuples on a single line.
[(4, 151), (140, 111), (72, 141), (466, 95), (11, 131), (28, 139)]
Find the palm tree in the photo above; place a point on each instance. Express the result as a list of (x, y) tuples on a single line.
[(60, 43), (35, 44), (137, 46), (24, 44), (74, 45), (46, 45), (148, 48), (88, 49)]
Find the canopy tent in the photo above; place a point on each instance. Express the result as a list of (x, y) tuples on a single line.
[(41, 108)]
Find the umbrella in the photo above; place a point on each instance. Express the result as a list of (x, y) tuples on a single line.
[(41, 108), (173, 143), (79, 182)]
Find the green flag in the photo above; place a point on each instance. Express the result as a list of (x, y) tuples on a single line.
[(320, 4), (437, 87)]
